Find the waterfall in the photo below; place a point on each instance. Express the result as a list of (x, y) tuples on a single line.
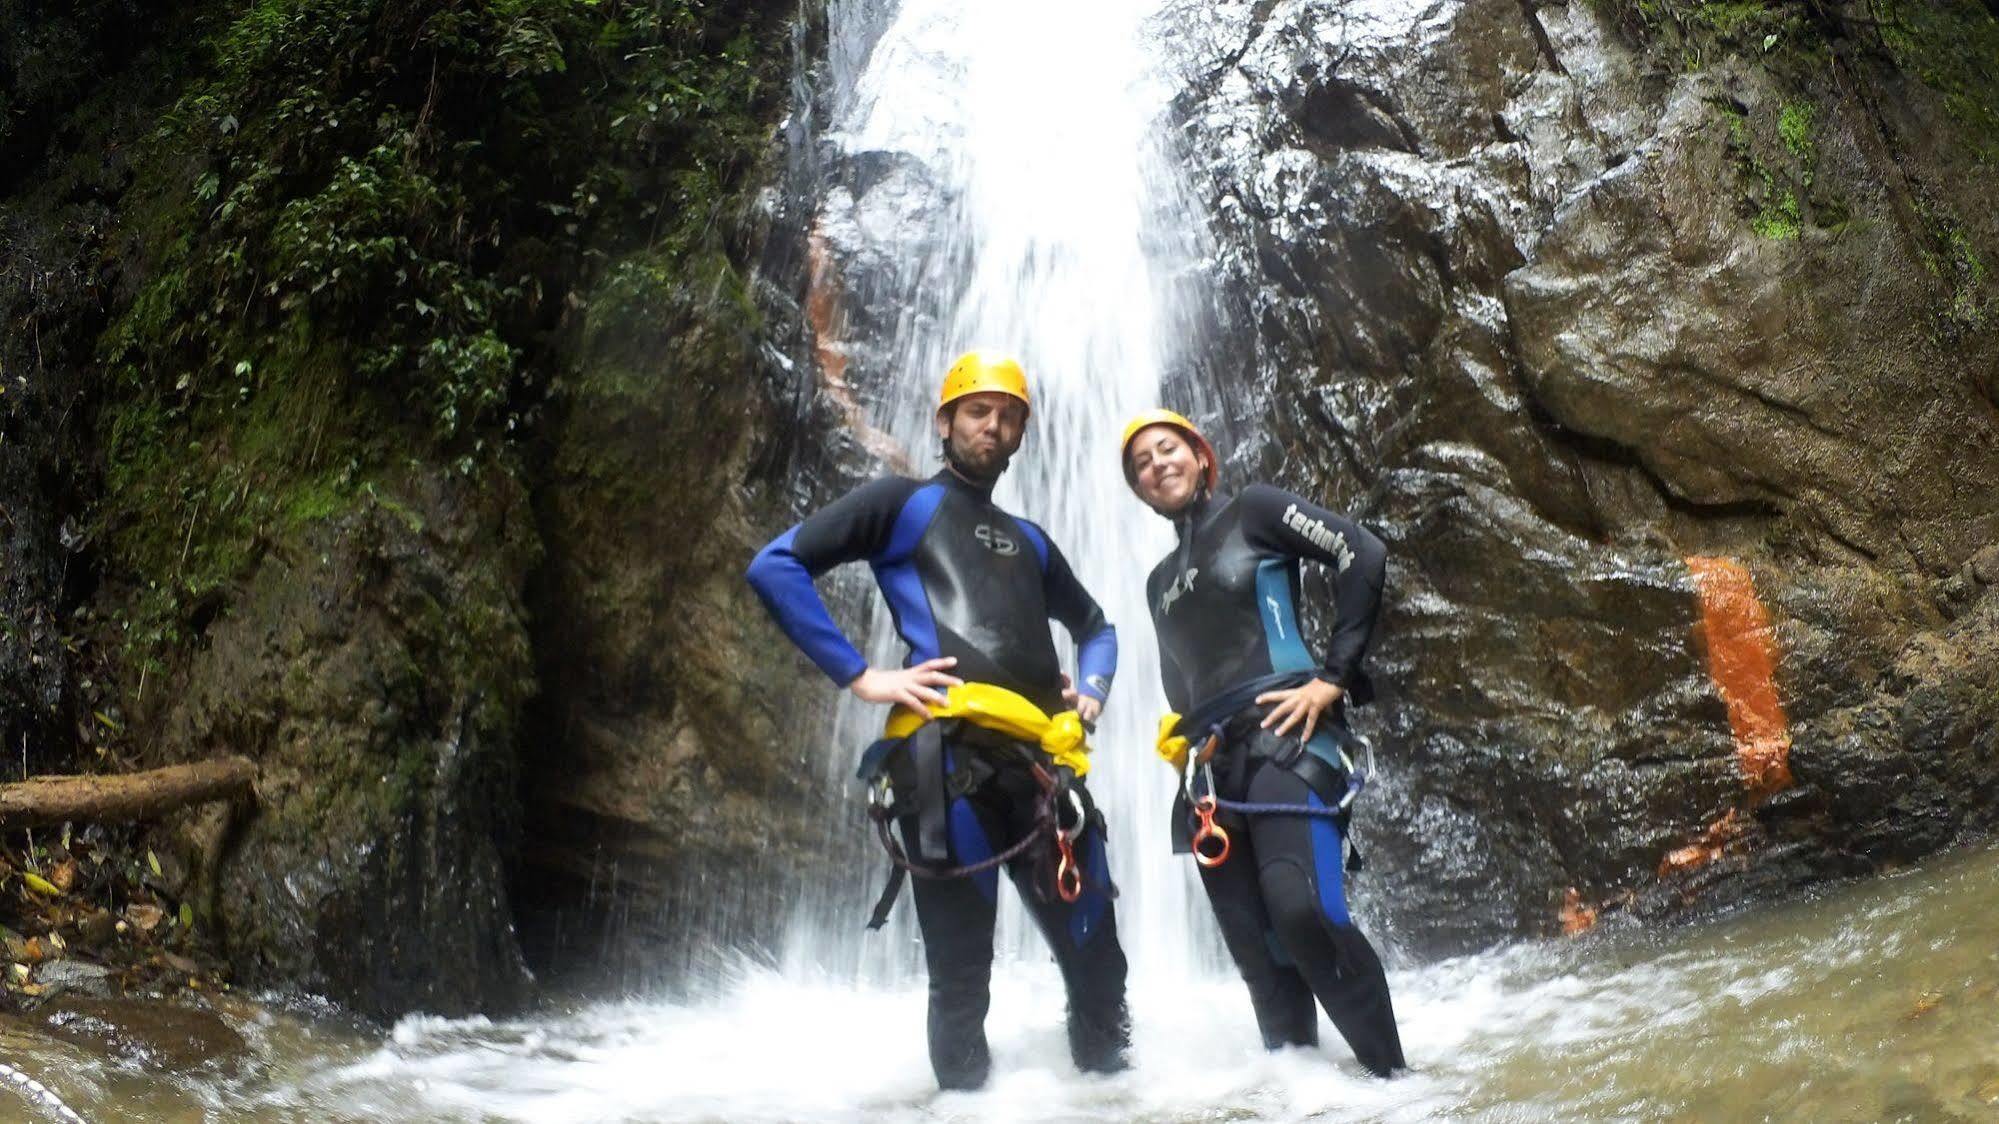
[(1000, 182)]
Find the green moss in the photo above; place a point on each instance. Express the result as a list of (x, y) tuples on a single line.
[(1695, 34), (1777, 178), (1779, 219), (1951, 46), (362, 228), (1794, 127), (1957, 262)]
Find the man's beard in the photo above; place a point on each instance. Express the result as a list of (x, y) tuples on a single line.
[(986, 471)]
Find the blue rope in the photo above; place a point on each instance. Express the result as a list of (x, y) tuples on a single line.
[(1245, 809)]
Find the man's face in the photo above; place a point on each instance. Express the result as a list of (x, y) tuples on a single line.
[(984, 431), (1166, 469)]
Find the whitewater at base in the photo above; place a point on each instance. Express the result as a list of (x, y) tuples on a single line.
[(1876, 1001)]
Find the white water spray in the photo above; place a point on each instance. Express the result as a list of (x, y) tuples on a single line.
[(1053, 229)]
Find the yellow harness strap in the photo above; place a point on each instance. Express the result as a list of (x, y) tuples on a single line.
[(1171, 747), (1002, 711)]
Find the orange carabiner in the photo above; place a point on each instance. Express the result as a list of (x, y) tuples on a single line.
[(1068, 876), (1211, 843)]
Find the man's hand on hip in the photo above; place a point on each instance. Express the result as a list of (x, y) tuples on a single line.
[(1086, 707), (917, 687)]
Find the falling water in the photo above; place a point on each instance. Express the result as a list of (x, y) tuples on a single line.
[(1036, 213)]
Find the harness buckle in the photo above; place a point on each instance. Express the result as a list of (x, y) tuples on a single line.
[(881, 799)]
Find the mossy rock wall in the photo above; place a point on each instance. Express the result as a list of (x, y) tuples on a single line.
[(351, 346)]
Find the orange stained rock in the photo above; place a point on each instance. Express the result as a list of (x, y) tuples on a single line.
[(1742, 661), (1706, 849), (1577, 918), (822, 306)]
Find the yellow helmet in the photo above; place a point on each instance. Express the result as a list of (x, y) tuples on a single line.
[(1151, 418), (978, 371)]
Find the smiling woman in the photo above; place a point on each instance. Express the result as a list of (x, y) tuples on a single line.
[(1272, 813), (1166, 458)]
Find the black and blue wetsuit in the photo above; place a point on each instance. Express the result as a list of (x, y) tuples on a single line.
[(1225, 604), (963, 578)]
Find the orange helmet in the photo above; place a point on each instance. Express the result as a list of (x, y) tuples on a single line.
[(1151, 418), (976, 372)]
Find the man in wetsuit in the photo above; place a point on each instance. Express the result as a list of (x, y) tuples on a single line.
[(972, 589), (1235, 665)]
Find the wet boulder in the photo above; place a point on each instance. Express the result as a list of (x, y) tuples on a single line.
[(1564, 314)]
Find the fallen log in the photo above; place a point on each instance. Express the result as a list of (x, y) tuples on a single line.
[(130, 796)]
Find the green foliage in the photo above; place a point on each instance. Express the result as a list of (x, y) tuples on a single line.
[(1698, 33), (365, 226)]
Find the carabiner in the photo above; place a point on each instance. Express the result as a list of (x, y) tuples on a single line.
[(1208, 834), (1068, 876)]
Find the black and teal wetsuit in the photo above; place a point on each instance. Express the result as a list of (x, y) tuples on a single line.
[(964, 578), (1225, 604)]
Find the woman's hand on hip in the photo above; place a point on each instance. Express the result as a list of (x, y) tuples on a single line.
[(1303, 703)]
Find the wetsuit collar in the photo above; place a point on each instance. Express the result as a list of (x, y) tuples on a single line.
[(950, 478), (1195, 514), (1188, 523)]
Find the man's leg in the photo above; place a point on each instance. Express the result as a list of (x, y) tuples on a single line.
[(1285, 1013), (1083, 936), (1299, 869), (956, 918)]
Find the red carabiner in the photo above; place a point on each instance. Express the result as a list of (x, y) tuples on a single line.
[(1209, 836), (1068, 876)]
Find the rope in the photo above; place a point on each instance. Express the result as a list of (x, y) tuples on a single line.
[(39, 1093), (1246, 809), (1047, 822), (1044, 821)]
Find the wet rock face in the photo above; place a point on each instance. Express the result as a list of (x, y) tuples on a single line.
[(53, 286), (373, 639), (666, 814), (375, 675), (1553, 316)]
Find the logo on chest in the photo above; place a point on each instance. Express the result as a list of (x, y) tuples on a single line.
[(1181, 585), (996, 540)]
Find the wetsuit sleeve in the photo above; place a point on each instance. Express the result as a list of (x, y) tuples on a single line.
[(1096, 640), (1277, 522), (854, 527)]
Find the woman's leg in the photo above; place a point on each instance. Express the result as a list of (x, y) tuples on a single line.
[(1279, 995), (1299, 871)]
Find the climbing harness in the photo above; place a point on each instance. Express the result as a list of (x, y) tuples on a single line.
[(1210, 841), (39, 1094), (1011, 727)]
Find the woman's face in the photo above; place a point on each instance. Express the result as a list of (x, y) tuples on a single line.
[(1166, 469)]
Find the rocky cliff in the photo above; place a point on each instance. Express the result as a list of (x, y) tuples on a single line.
[(384, 404), (1658, 340)]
